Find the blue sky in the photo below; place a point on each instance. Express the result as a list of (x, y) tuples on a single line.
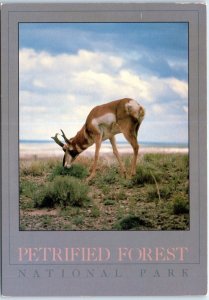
[(68, 68)]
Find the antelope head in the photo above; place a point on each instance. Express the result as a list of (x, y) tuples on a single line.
[(69, 153)]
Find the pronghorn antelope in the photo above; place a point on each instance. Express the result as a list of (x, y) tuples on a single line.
[(102, 123)]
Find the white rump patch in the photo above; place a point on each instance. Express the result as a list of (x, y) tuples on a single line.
[(132, 108), (133, 104)]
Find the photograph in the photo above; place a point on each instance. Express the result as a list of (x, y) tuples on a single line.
[(103, 126)]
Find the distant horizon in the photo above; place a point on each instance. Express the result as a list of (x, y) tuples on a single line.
[(106, 142)]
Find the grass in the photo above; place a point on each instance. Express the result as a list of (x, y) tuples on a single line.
[(34, 168), (156, 198)]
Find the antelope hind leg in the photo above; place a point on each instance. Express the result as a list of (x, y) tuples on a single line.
[(131, 138)]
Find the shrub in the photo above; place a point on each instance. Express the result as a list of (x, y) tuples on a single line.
[(78, 220), (132, 222), (109, 177), (44, 197), (180, 205), (165, 191), (145, 175), (142, 176), (63, 191), (121, 195), (27, 188), (78, 171), (152, 192), (109, 202), (95, 212)]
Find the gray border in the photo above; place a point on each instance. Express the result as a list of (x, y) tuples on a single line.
[(195, 239)]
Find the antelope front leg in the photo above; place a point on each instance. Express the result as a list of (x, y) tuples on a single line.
[(98, 142), (116, 153)]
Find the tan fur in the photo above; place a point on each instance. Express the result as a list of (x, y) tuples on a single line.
[(104, 122)]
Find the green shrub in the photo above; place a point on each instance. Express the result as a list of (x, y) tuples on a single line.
[(107, 177), (44, 197), (132, 222), (27, 188), (109, 202), (165, 191), (95, 212), (121, 195), (145, 175), (111, 176), (152, 192), (78, 220), (78, 171), (63, 191), (180, 205)]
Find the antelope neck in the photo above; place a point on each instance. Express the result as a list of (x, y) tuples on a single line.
[(79, 143)]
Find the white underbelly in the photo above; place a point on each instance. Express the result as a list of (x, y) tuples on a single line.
[(109, 131)]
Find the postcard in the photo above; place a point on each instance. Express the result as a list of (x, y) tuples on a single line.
[(103, 124)]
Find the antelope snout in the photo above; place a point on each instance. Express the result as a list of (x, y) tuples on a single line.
[(67, 166)]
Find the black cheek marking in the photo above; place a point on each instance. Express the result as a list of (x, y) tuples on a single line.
[(74, 153), (63, 161)]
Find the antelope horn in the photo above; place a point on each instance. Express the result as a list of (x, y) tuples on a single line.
[(55, 138), (64, 137)]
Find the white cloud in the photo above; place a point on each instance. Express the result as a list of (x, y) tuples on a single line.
[(58, 91), (156, 108), (180, 87), (38, 83), (178, 64)]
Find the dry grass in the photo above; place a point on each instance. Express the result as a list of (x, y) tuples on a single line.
[(155, 199)]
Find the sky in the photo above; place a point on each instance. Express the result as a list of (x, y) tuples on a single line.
[(65, 69)]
